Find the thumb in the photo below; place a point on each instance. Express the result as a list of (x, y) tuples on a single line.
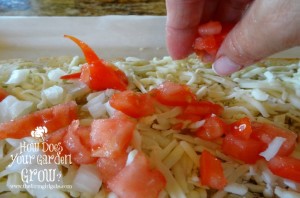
[(266, 28)]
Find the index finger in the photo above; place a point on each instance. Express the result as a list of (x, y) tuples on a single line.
[(183, 18)]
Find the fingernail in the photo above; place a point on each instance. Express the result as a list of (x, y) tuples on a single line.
[(223, 66)]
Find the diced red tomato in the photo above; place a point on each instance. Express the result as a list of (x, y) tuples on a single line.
[(109, 167), (241, 128), (138, 180), (286, 167), (133, 103), (173, 94), (80, 152), (84, 134), (207, 43), (213, 128), (211, 171), (190, 117), (3, 94), (53, 118), (210, 28), (177, 126), (211, 36), (98, 74), (203, 109), (245, 150), (71, 76), (111, 137), (267, 132), (56, 138)]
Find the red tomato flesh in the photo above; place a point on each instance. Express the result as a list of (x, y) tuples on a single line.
[(207, 43), (173, 94), (267, 132), (132, 103), (241, 128), (211, 36), (3, 94), (138, 180), (111, 137), (109, 167), (71, 76), (286, 167), (98, 74), (203, 109), (57, 138), (79, 149), (211, 171), (213, 128), (53, 118), (245, 150)]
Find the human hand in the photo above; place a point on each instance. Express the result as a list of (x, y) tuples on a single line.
[(263, 28)]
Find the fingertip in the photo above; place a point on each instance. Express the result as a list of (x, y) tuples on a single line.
[(224, 66), (180, 42)]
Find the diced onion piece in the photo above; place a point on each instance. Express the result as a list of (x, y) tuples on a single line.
[(235, 188), (110, 110), (11, 108), (96, 106), (18, 76), (86, 179), (13, 142), (54, 94), (55, 74), (77, 89), (131, 156), (273, 148), (112, 195)]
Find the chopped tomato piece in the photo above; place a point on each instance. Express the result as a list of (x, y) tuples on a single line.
[(210, 28), (71, 76), (177, 126), (190, 117), (173, 94), (111, 137), (245, 150), (3, 94), (109, 167), (286, 167), (81, 153), (133, 103), (207, 43), (98, 74), (211, 171), (53, 118), (56, 138), (203, 109), (213, 128), (84, 134), (267, 132), (241, 128), (211, 36), (138, 180)]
